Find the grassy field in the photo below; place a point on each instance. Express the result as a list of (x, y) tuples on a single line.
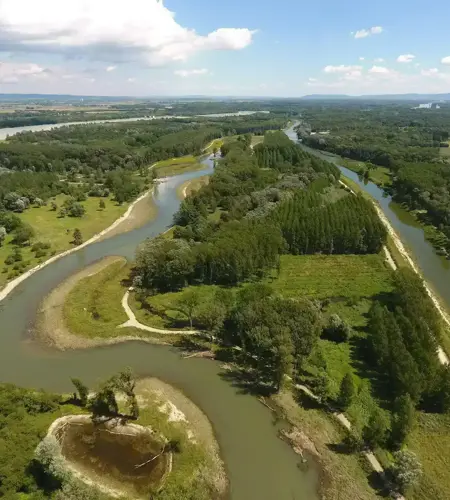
[(176, 166), (215, 144), (322, 276), (93, 308), (379, 175), (430, 439), (58, 232), (257, 139), (445, 152)]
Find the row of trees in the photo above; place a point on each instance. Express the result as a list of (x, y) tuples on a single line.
[(404, 334), (310, 225)]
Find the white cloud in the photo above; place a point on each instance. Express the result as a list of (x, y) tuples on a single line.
[(361, 58), (406, 58), (184, 73), (341, 68), (364, 33), (14, 72), (312, 80), (429, 72), (111, 68), (109, 31), (445, 60), (378, 60), (379, 70), (131, 80)]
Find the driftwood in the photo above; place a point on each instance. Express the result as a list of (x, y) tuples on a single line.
[(148, 461)]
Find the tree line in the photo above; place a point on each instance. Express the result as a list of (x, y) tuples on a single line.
[(348, 226)]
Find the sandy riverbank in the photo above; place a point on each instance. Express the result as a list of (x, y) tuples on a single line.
[(189, 187), (137, 214), (50, 326)]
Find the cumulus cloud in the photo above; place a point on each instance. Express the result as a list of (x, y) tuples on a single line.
[(379, 70), (13, 72), (406, 58), (378, 60), (131, 80), (445, 60), (429, 72), (111, 68), (361, 58), (341, 68), (364, 33), (109, 31), (184, 73)]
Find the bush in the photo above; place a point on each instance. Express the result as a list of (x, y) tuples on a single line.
[(40, 253), (9, 260), (338, 330), (406, 470), (40, 246)]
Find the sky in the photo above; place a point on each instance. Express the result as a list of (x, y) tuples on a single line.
[(287, 48)]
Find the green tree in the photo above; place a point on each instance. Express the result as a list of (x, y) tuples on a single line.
[(374, 433), (82, 391), (403, 420), (2, 235), (346, 392), (23, 235), (187, 304), (77, 237), (212, 316), (101, 205)]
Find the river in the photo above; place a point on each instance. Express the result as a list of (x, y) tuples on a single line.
[(435, 269), (260, 466), (5, 132)]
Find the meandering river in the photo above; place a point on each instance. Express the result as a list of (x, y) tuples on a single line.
[(260, 466)]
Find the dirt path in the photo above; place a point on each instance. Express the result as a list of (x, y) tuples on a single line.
[(50, 325), (134, 323)]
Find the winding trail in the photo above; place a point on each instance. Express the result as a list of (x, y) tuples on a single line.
[(134, 323)]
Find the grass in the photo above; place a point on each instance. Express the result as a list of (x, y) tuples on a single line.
[(322, 276), (176, 166), (257, 139), (159, 311), (215, 144), (445, 152), (58, 232), (430, 440), (93, 308), (379, 175)]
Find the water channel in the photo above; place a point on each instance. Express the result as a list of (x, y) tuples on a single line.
[(435, 269), (259, 465)]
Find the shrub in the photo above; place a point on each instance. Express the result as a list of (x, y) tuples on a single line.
[(338, 330)]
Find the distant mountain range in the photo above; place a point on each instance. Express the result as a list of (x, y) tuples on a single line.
[(381, 97)]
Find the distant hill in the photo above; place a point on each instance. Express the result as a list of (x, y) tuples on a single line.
[(381, 97)]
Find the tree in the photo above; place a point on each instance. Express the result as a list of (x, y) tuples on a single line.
[(77, 237), (164, 265), (82, 391), (338, 329), (76, 210), (23, 235), (188, 303), (212, 316), (346, 392), (403, 420), (102, 205), (374, 433), (2, 235), (54, 206), (406, 470)]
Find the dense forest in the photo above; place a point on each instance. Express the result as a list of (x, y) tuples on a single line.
[(252, 211), (412, 143)]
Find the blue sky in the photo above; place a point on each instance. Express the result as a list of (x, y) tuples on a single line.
[(244, 48)]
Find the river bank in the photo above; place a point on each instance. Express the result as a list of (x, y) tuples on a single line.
[(140, 212)]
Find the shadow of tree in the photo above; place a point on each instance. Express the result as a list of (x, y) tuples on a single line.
[(246, 382)]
